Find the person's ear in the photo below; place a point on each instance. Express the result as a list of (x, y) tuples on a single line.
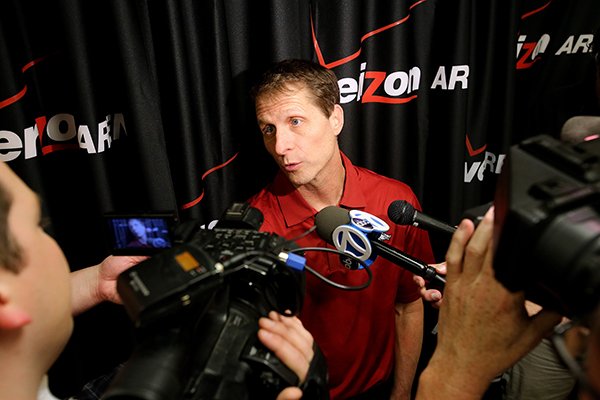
[(11, 315), (337, 119)]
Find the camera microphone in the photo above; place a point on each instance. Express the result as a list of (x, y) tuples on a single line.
[(401, 212), (358, 233)]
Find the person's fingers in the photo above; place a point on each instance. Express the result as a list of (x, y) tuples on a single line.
[(293, 323), (432, 295), (488, 263), (292, 330), (429, 295), (112, 266), (478, 247), (455, 253), (419, 281), (293, 357), (440, 267), (289, 340), (290, 393)]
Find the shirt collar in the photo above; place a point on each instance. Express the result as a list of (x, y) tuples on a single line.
[(296, 210), (353, 196)]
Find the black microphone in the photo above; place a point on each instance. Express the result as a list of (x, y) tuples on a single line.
[(330, 218), (401, 212)]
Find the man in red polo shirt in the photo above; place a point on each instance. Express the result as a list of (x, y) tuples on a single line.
[(371, 338)]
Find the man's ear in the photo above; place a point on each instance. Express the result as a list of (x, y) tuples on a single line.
[(337, 119), (11, 315)]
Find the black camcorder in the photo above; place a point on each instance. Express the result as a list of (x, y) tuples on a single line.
[(196, 307), (547, 224)]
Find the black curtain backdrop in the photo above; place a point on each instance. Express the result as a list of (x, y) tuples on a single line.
[(142, 105)]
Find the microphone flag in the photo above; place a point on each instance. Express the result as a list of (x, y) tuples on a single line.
[(352, 239)]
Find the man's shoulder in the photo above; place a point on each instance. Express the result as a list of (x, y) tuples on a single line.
[(264, 197), (370, 179)]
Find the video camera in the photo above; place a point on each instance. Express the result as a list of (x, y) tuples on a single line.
[(547, 229), (196, 307)]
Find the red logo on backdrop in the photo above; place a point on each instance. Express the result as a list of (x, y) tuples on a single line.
[(61, 132), (57, 132), (528, 53), (531, 47), (366, 36), (381, 86), (389, 87), (18, 96), (483, 161)]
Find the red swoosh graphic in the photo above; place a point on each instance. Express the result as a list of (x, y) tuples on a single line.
[(530, 13), (51, 148), (13, 99), (210, 171), (474, 152), (366, 36)]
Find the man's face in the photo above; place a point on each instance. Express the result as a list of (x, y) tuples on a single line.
[(137, 228), (42, 287), (299, 136)]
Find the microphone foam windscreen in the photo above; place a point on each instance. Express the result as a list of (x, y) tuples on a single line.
[(401, 212), (328, 219)]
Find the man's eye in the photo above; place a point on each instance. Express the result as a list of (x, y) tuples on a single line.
[(295, 121), (268, 130)]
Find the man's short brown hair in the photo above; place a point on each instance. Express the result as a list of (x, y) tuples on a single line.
[(320, 81)]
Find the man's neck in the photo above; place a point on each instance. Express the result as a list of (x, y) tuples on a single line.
[(20, 386)]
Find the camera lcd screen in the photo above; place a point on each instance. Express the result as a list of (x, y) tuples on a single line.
[(140, 234)]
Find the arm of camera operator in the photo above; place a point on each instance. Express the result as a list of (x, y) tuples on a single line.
[(93, 285), (483, 328), (432, 296), (291, 343)]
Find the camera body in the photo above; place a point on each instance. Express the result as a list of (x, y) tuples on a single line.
[(196, 307), (547, 224)]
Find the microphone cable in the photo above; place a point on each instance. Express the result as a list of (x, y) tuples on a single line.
[(303, 234), (291, 243), (329, 281)]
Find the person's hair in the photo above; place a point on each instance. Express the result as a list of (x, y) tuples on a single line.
[(320, 81), (10, 252)]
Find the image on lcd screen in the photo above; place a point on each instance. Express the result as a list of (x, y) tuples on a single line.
[(139, 235)]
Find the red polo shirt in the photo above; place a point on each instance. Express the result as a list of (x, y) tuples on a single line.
[(354, 329)]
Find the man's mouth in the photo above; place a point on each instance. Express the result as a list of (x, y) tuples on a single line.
[(291, 167)]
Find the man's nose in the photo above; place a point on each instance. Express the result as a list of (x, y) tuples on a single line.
[(284, 141)]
